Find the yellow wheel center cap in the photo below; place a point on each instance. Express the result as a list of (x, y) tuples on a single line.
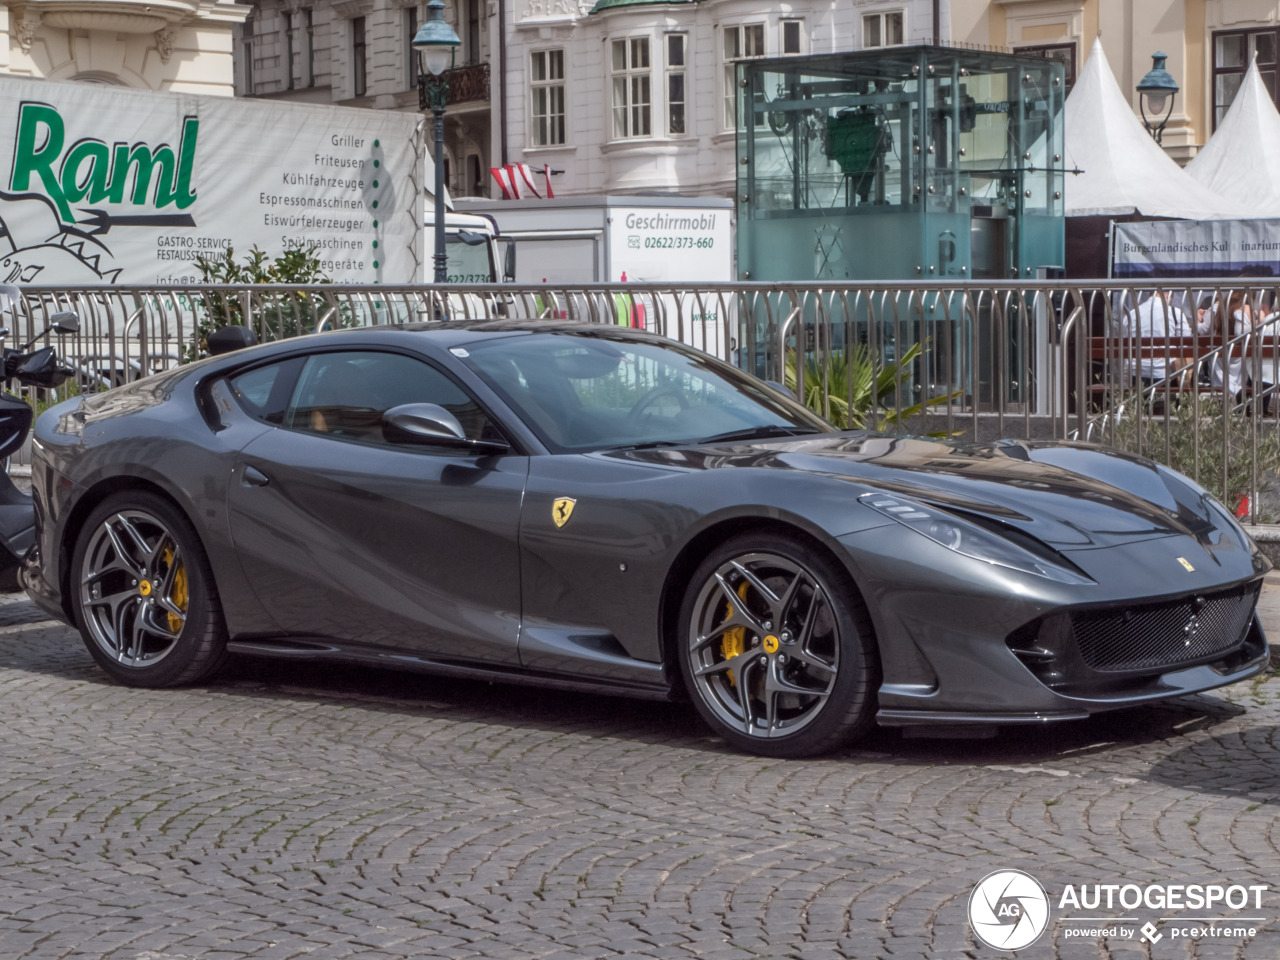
[(771, 644), (144, 587)]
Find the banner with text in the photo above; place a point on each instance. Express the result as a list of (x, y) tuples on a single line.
[(1196, 248), (108, 185)]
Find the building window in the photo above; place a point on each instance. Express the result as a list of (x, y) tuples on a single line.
[(309, 37), (1232, 54), (473, 31), (410, 54), (1063, 52), (883, 29), (741, 42), (792, 36), (629, 71), (677, 92), (246, 45), (546, 94), (359, 60), (288, 49)]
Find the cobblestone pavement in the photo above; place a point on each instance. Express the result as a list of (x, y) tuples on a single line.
[(292, 810)]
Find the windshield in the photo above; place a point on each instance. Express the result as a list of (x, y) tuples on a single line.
[(466, 263), (581, 392)]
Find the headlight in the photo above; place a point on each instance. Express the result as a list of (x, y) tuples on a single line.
[(971, 540)]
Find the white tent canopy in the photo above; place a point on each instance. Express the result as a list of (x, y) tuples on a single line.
[(1242, 160), (1125, 170)]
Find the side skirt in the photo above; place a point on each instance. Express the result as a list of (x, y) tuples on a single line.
[(297, 648)]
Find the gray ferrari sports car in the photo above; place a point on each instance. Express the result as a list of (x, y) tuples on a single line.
[(593, 508)]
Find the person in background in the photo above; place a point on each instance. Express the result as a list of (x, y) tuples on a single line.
[(1157, 318), (1243, 314)]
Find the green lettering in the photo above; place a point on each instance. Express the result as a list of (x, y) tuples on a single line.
[(144, 162), (79, 180), (29, 158), (186, 162)]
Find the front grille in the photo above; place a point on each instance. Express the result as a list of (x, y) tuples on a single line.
[(1186, 630)]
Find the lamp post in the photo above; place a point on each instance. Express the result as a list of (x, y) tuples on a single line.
[(1156, 92), (436, 44)]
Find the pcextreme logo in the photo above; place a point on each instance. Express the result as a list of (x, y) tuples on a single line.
[(93, 171)]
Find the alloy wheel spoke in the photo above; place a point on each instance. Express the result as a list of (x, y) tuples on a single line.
[(810, 660), (744, 698), (810, 618), (775, 683), (715, 633), (742, 617), (175, 564), (739, 663), (788, 598), (139, 541), (770, 597), (174, 610), (124, 559)]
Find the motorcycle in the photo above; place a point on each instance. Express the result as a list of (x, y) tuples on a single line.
[(32, 368)]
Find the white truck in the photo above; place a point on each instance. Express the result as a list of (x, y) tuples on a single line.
[(670, 241)]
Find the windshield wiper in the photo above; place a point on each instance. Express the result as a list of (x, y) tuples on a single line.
[(759, 433)]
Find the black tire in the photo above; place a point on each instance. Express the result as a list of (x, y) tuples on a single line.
[(775, 647), (143, 594)]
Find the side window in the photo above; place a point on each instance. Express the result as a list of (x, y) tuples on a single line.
[(264, 391), (344, 395)]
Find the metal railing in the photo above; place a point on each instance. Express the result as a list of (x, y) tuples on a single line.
[(973, 361)]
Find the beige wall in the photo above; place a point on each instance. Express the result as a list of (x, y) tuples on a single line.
[(1131, 30), (178, 45)]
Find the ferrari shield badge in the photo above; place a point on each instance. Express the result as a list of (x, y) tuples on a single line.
[(562, 510), (1186, 564)]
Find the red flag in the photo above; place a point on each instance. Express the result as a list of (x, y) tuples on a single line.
[(546, 173), (503, 176), (523, 178)]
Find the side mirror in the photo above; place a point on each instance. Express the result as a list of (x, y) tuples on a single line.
[(509, 263), (65, 322), (430, 423), (226, 339)]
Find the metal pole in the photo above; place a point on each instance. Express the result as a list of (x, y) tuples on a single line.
[(437, 111)]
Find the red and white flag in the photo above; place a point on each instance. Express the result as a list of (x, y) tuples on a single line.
[(525, 179), (518, 180), (505, 182)]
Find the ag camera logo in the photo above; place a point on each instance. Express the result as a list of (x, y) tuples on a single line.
[(1008, 910)]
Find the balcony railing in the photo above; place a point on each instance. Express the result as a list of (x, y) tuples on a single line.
[(469, 84)]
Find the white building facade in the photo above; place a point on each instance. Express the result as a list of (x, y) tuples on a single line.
[(183, 46), (637, 96), (358, 53)]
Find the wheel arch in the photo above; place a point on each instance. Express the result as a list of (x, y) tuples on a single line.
[(679, 575)]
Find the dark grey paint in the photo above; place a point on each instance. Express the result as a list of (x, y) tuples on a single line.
[(425, 558)]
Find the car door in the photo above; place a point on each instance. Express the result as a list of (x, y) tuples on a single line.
[(347, 536)]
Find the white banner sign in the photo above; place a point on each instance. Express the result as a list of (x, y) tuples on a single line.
[(107, 185), (1196, 248), (661, 244)]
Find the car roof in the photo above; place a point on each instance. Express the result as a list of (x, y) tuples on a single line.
[(459, 332)]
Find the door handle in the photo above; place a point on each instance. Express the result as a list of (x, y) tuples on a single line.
[(253, 477)]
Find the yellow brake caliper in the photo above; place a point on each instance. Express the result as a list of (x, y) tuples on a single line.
[(179, 594), (734, 641)]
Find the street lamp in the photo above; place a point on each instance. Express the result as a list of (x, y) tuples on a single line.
[(436, 44), (1156, 92)]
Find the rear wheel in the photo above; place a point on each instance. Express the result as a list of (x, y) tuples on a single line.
[(145, 601), (775, 648)]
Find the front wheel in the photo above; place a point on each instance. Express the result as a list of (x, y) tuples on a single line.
[(775, 648), (145, 600)]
